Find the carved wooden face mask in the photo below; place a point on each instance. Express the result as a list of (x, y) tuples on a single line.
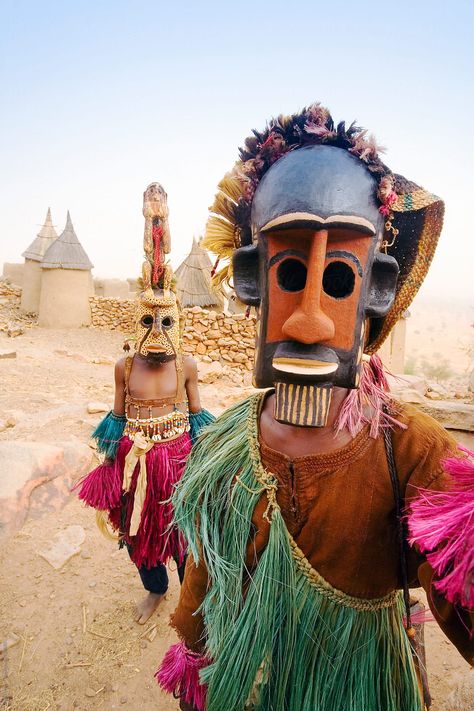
[(315, 273), (157, 325)]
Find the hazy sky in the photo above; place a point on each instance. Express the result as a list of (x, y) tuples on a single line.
[(100, 98)]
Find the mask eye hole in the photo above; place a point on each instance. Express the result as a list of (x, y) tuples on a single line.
[(291, 275), (147, 320), (167, 322), (338, 280)]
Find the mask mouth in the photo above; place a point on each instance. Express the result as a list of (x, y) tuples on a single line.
[(301, 359), (156, 349)]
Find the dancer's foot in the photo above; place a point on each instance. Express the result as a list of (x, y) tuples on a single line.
[(146, 607)]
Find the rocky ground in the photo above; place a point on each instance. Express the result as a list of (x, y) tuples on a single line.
[(70, 643)]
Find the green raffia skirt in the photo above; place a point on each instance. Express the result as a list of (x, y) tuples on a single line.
[(290, 642)]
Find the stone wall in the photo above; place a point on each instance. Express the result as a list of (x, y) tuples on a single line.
[(113, 314), (217, 337), (9, 290), (213, 337)]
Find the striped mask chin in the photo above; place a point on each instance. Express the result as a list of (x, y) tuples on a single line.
[(303, 405)]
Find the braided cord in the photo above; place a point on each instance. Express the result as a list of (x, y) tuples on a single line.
[(269, 483), (340, 598)]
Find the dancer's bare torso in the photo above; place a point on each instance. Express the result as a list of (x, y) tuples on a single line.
[(155, 382)]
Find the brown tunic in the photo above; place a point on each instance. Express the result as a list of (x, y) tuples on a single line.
[(339, 508)]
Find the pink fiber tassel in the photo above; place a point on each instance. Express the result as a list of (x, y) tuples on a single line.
[(373, 395), (179, 675), (102, 487), (442, 524)]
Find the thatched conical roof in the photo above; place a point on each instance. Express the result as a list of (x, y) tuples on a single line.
[(66, 252), (193, 280), (42, 241)]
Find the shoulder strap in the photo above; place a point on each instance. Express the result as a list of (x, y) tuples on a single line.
[(180, 380), (128, 370), (414, 636), (401, 532)]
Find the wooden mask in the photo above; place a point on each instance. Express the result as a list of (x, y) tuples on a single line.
[(315, 274)]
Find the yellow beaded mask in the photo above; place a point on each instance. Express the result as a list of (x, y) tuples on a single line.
[(157, 324)]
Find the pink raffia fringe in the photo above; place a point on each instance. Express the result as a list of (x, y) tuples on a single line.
[(157, 540), (441, 524), (102, 487), (179, 675), (373, 396)]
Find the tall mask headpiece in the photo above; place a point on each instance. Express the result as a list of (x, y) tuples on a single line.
[(328, 245), (158, 327)]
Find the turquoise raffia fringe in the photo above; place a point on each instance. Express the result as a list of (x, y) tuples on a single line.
[(279, 642), (108, 433), (197, 421)]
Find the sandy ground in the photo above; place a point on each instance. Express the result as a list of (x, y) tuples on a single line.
[(78, 647)]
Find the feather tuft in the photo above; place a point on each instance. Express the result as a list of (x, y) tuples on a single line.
[(223, 207), (179, 675), (441, 524), (370, 403)]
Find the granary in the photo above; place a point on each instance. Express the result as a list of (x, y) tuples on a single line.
[(193, 281), (66, 283), (30, 295)]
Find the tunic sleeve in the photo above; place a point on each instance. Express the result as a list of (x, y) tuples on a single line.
[(186, 619)]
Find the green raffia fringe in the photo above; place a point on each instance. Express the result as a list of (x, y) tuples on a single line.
[(198, 420), (291, 642), (108, 433)]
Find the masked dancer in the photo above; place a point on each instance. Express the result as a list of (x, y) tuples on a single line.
[(296, 595), (157, 415)]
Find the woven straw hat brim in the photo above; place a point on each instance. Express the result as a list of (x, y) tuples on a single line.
[(418, 215)]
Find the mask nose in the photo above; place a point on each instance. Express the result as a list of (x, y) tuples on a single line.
[(157, 327), (308, 323)]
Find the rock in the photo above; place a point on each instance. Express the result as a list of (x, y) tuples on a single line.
[(405, 381), (7, 353), (94, 407), (409, 395), (15, 330), (9, 642), (65, 544), (201, 349), (92, 584), (210, 372), (3, 425), (103, 361), (28, 462), (90, 693), (247, 379), (434, 387), (433, 395), (452, 415)]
